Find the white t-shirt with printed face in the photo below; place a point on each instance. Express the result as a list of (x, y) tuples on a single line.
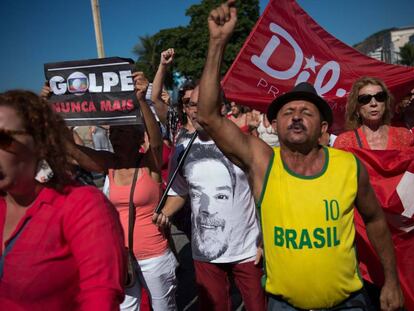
[(224, 222)]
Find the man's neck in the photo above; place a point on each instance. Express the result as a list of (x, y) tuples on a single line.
[(203, 136), (302, 161)]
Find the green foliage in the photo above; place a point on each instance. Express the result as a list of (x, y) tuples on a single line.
[(191, 42), (407, 54), (148, 56)]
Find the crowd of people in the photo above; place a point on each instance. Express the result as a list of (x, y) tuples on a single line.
[(263, 198)]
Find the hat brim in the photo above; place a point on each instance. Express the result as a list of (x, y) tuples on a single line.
[(319, 102)]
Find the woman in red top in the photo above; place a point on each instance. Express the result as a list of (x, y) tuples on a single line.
[(155, 260), (368, 116), (61, 244)]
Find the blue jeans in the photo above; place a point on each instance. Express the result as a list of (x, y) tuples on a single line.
[(358, 301)]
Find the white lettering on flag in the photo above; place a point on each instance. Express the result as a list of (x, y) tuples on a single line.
[(405, 190)]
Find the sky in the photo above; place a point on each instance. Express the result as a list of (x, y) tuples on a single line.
[(35, 32)]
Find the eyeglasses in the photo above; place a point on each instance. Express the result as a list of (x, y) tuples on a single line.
[(366, 98), (6, 137)]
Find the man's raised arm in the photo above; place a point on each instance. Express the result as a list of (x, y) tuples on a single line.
[(248, 152), (160, 106), (238, 147)]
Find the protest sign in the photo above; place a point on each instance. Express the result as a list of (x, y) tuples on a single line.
[(93, 91)]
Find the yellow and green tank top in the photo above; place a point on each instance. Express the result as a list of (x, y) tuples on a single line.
[(308, 231)]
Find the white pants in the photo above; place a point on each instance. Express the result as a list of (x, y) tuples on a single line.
[(157, 274)]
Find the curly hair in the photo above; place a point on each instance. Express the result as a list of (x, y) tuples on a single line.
[(47, 129), (352, 119)]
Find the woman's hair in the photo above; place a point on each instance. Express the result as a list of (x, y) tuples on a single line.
[(48, 131), (352, 118)]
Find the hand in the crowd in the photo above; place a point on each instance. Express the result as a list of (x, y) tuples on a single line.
[(161, 220), (165, 96), (167, 57), (391, 297), (46, 91), (259, 255), (141, 84), (222, 20)]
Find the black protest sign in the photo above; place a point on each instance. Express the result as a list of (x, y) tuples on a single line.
[(94, 91)]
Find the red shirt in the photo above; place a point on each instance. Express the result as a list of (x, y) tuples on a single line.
[(399, 138), (69, 256)]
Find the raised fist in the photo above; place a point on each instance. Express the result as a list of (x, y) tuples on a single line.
[(141, 84), (167, 56), (222, 20)]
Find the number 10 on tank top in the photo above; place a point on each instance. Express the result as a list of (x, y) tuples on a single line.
[(331, 209)]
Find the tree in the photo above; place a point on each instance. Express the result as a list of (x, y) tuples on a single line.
[(407, 54), (191, 42), (149, 49), (148, 56)]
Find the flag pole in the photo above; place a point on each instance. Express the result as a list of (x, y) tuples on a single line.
[(97, 25), (172, 178)]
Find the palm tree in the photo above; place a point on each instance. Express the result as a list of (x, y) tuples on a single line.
[(148, 55)]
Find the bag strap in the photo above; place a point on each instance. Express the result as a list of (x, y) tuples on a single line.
[(131, 214), (10, 246), (358, 138)]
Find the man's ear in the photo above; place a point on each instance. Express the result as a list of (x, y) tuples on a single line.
[(273, 124), (324, 127)]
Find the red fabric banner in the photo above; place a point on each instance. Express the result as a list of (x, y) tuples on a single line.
[(392, 177), (287, 46)]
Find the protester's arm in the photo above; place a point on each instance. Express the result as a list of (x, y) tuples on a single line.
[(246, 151), (160, 106), (76, 138), (154, 134), (172, 205), (89, 159), (377, 229)]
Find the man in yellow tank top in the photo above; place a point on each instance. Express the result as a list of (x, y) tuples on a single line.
[(305, 192)]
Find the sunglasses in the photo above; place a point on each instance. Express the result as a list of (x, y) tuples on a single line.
[(6, 137), (366, 98)]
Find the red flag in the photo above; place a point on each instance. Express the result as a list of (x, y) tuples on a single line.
[(287, 46), (392, 177)]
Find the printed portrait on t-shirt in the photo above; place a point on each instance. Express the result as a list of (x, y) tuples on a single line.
[(211, 180)]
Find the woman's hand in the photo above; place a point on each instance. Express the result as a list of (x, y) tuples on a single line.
[(141, 85)]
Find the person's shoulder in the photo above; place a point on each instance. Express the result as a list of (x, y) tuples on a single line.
[(346, 134), (404, 136), (86, 200), (401, 130), (333, 151), (343, 159), (86, 194), (346, 139)]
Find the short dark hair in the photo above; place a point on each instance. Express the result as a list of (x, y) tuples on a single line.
[(200, 152)]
